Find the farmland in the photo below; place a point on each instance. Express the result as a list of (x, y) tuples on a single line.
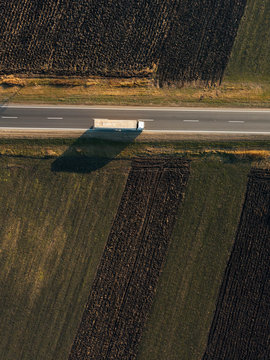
[(240, 328), (183, 41), (202, 239), (53, 230), (199, 41), (250, 56), (43, 44), (52, 243), (126, 280)]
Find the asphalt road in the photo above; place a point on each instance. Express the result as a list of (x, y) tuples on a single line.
[(156, 119)]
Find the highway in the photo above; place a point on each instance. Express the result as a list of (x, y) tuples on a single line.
[(175, 120)]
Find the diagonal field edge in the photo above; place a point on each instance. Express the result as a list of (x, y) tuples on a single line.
[(124, 287), (240, 329)]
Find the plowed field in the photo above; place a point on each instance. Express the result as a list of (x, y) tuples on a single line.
[(174, 40), (241, 327), (126, 280)]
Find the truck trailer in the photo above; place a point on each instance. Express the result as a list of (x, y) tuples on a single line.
[(118, 125)]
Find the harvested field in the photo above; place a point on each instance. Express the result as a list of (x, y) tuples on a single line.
[(126, 280), (173, 41), (200, 40), (241, 328)]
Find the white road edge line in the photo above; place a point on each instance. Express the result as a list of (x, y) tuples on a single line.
[(9, 117), (127, 108), (42, 129), (207, 132), (145, 131), (146, 120)]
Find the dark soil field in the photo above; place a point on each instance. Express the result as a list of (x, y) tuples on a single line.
[(172, 41), (126, 280), (241, 327)]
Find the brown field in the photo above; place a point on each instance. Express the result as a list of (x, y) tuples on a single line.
[(170, 41), (123, 290), (240, 328)]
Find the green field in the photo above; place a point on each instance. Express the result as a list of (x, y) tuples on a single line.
[(200, 247), (251, 52), (54, 226), (53, 230)]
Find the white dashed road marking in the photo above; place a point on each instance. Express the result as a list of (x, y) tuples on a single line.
[(9, 117), (238, 122), (55, 118), (191, 120)]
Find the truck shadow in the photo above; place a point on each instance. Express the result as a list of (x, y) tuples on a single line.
[(93, 150)]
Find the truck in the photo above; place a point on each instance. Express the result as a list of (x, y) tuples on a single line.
[(118, 125)]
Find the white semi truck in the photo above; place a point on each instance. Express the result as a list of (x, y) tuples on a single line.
[(118, 125)]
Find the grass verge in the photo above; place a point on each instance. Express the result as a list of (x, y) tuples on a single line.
[(53, 148), (132, 92)]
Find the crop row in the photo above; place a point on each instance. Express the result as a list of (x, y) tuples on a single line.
[(200, 40), (97, 37), (177, 40), (126, 280), (241, 328)]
